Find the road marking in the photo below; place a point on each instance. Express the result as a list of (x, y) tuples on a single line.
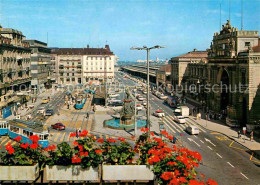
[(210, 148), (219, 155), (4, 140), (191, 140), (169, 126), (243, 175), (230, 164), (177, 124), (235, 147), (195, 136), (254, 160), (63, 136), (191, 123), (173, 125), (209, 141), (201, 141), (56, 138), (215, 133)]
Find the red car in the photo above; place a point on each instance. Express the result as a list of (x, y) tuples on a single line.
[(58, 126)]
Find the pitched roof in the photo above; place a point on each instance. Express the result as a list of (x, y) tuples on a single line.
[(83, 51), (194, 54), (166, 68)]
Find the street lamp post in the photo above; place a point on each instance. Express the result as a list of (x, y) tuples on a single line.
[(148, 83)]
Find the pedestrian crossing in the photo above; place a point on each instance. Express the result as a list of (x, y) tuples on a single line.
[(60, 137), (177, 128), (4, 140)]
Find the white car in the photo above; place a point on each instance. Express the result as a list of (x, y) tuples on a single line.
[(159, 113), (41, 110), (163, 97), (139, 107), (192, 130), (140, 98), (144, 92), (113, 95), (179, 118), (144, 103)]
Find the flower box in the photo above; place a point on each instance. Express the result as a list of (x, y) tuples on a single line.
[(21, 173), (71, 173), (126, 172)]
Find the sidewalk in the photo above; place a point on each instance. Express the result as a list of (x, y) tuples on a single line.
[(47, 93), (218, 126)]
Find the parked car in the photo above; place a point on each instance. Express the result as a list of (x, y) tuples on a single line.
[(45, 100), (144, 103), (163, 97), (116, 103), (139, 107), (159, 113), (192, 130), (58, 126), (41, 110), (178, 118), (49, 112), (113, 95), (144, 92), (140, 98)]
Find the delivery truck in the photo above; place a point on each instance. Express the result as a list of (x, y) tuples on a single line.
[(183, 110)]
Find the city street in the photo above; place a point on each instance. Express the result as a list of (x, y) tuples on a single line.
[(222, 159)]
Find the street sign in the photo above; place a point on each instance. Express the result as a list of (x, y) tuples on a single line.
[(244, 130)]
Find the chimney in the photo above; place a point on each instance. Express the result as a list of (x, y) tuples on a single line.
[(88, 46), (194, 49), (107, 47)]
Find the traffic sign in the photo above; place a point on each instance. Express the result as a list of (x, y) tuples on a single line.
[(244, 130)]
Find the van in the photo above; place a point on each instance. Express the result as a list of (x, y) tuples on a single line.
[(192, 130)]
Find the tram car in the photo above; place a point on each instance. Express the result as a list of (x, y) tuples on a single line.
[(89, 91), (4, 126), (25, 129), (80, 101)]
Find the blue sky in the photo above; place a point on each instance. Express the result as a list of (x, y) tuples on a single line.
[(181, 25)]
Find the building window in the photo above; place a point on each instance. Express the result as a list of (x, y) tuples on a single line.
[(72, 74), (68, 79), (73, 79), (73, 63), (67, 62), (68, 74), (247, 44), (243, 75)]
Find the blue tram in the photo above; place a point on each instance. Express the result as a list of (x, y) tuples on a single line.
[(89, 91), (4, 126), (80, 101), (26, 129)]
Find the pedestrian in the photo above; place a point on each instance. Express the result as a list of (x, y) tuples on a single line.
[(238, 134), (251, 136), (79, 130), (77, 133), (87, 115)]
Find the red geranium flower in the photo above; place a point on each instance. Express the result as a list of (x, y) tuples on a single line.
[(9, 148), (24, 146), (110, 140), (33, 146), (34, 138), (98, 151), (100, 140), (211, 182), (72, 134), (152, 133), (76, 159), (18, 138)]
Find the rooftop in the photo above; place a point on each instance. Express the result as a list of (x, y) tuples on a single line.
[(194, 54), (83, 51)]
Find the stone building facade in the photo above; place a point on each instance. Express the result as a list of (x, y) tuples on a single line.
[(233, 74), (40, 65), (15, 73), (163, 77), (180, 72), (81, 65)]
